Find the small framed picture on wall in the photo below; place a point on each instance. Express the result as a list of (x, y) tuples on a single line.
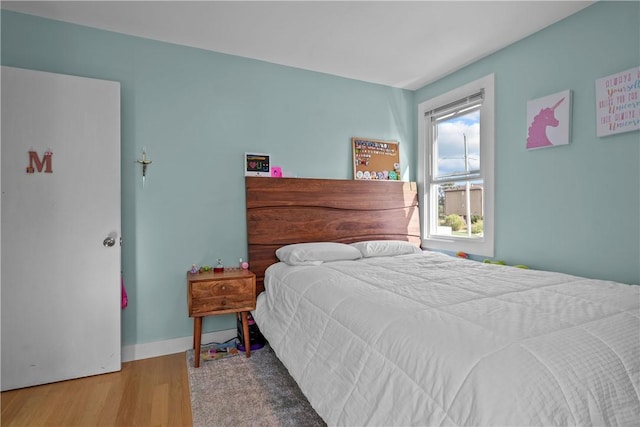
[(549, 121), (257, 164)]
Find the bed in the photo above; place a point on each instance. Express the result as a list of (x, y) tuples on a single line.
[(377, 332)]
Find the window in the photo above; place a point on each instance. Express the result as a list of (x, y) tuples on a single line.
[(456, 149)]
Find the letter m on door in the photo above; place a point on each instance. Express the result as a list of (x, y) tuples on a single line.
[(36, 164)]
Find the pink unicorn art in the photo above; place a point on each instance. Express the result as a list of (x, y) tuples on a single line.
[(537, 137)]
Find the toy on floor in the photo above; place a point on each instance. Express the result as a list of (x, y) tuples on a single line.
[(216, 351)]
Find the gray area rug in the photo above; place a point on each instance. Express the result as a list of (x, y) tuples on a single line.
[(257, 391)]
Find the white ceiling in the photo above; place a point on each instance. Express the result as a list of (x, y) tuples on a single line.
[(404, 44)]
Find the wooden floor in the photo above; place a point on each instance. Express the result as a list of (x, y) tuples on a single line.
[(149, 392)]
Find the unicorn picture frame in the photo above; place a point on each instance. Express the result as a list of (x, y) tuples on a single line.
[(549, 121)]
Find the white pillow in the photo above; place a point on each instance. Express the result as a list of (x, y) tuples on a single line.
[(373, 248), (316, 253)]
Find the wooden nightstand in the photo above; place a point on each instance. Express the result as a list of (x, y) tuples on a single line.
[(209, 293)]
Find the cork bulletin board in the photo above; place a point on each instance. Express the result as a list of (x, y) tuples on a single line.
[(376, 159)]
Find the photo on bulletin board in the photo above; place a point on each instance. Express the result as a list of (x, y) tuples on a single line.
[(375, 159), (257, 164)]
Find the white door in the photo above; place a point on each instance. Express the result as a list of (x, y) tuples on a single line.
[(60, 201)]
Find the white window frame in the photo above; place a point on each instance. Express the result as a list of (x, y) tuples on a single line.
[(483, 246)]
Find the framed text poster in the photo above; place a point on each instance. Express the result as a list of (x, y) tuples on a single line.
[(618, 102), (376, 159), (256, 164)]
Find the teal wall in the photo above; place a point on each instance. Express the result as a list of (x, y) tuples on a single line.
[(197, 113), (573, 208)]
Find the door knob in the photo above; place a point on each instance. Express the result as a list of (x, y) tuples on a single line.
[(109, 241)]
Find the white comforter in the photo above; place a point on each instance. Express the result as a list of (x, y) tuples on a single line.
[(428, 339)]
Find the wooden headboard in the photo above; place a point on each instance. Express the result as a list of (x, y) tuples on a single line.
[(282, 211)]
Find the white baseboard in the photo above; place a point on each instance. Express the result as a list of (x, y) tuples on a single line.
[(176, 345)]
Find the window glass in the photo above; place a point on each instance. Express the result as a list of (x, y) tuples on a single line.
[(460, 209), (458, 144)]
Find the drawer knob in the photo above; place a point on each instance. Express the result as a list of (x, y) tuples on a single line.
[(224, 288)]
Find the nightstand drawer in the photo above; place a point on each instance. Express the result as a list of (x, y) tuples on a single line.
[(215, 288), (217, 303), (218, 293)]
